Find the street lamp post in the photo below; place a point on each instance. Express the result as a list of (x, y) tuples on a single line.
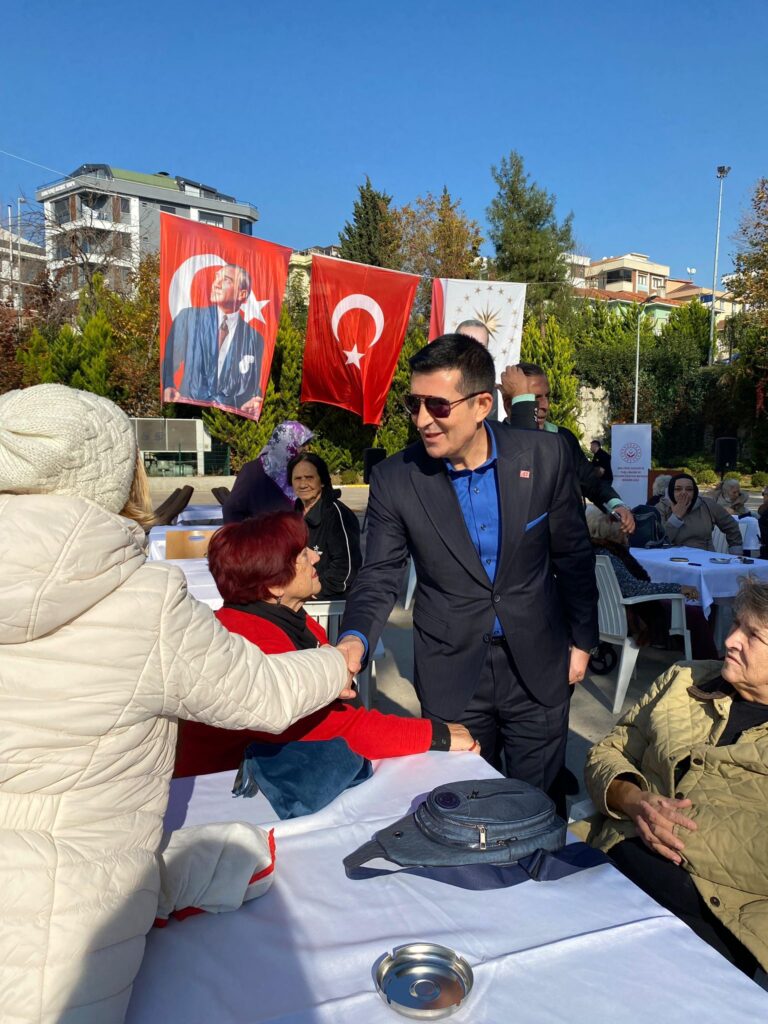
[(722, 174), (645, 301), (19, 201)]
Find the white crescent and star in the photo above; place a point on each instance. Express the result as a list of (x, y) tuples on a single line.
[(370, 306), (180, 290)]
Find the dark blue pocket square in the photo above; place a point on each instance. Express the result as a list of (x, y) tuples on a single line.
[(535, 522)]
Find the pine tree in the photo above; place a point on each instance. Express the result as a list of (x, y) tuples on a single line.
[(528, 239), (372, 236)]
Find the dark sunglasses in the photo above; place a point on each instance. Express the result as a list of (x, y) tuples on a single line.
[(439, 408)]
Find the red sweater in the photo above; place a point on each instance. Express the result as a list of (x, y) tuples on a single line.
[(203, 749)]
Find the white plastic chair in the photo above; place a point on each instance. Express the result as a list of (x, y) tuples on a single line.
[(612, 618), (719, 541), (329, 614)]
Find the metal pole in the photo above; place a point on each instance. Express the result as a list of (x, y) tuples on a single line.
[(10, 250), (19, 201), (637, 357), (722, 173)]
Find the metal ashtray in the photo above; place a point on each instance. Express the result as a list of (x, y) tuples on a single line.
[(424, 981), (720, 561)]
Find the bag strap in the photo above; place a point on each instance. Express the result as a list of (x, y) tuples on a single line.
[(540, 866)]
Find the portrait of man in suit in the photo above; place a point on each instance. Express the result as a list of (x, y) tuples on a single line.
[(506, 601), (221, 354)]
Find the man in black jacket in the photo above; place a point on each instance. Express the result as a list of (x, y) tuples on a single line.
[(506, 600), (525, 391)]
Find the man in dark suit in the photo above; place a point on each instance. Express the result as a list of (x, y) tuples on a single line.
[(221, 353), (506, 600)]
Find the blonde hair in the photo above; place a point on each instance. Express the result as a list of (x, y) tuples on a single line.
[(604, 527), (138, 507)]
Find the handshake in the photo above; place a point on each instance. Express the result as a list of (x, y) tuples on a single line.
[(353, 651)]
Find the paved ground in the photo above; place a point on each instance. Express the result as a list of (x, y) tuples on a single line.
[(591, 716)]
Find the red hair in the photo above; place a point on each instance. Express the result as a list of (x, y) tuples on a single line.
[(248, 559)]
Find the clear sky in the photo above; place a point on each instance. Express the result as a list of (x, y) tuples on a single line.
[(622, 110)]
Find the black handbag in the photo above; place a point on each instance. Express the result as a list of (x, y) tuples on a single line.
[(481, 821)]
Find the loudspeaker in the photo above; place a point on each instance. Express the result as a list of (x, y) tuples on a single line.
[(372, 457), (726, 454)]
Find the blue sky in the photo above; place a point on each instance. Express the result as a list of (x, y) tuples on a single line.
[(622, 110)]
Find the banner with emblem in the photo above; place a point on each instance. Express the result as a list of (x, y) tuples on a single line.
[(220, 299), (356, 325), (499, 305)]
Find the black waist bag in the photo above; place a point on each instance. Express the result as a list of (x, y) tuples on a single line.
[(478, 822)]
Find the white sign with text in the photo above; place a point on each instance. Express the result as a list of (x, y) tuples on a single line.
[(631, 461)]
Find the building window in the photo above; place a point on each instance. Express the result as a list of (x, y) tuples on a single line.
[(658, 282), (211, 218), (61, 211), (622, 275), (642, 282), (95, 206), (246, 228), (167, 209)]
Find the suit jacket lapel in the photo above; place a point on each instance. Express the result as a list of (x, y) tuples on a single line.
[(438, 498), (515, 460)]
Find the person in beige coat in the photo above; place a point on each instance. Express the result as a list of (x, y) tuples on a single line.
[(682, 786), (690, 519), (100, 653)]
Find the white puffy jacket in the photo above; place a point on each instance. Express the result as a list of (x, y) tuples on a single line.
[(100, 651)]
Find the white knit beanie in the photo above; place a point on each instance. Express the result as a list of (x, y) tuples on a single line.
[(56, 440)]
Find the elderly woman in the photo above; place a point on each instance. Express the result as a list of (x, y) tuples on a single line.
[(648, 621), (334, 532), (102, 652), (682, 784), (732, 498), (266, 572), (660, 485), (262, 485), (690, 519)]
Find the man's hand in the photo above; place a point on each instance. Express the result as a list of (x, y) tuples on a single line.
[(171, 395), (353, 652), (655, 817), (462, 738), (626, 517), (514, 383), (252, 407), (577, 667)]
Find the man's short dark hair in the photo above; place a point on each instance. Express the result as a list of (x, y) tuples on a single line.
[(458, 352), (532, 370)]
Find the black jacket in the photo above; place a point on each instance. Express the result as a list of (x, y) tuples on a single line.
[(544, 593), (594, 488), (335, 532), (254, 494)]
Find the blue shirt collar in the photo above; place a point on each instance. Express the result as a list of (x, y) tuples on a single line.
[(490, 461)]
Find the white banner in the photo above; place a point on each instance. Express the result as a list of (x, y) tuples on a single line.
[(631, 461), (497, 304)]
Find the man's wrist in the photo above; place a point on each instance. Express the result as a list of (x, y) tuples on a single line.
[(353, 634)]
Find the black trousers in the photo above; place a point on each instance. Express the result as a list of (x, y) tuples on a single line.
[(672, 887), (516, 734)]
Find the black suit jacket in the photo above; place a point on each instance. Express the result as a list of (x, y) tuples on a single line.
[(544, 593)]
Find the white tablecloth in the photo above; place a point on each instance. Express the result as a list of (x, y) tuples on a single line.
[(585, 949), (712, 580), (200, 514)]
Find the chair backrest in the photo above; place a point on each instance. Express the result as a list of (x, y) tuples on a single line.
[(220, 494), (611, 613), (173, 505), (191, 543), (328, 614), (719, 541)]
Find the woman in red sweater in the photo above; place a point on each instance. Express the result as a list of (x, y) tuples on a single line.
[(265, 572)]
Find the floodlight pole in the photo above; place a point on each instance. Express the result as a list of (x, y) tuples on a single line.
[(722, 174)]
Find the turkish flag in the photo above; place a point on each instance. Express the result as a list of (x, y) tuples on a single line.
[(220, 298), (356, 325)]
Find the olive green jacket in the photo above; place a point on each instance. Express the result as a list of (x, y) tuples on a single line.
[(727, 856)]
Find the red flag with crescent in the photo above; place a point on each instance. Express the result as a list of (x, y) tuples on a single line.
[(220, 298), (356, 325)]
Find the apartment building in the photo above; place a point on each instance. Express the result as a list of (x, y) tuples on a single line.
[(104, 218), (21, 264), (633, 272)]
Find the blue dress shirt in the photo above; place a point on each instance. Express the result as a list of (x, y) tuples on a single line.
[(477, 491)]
